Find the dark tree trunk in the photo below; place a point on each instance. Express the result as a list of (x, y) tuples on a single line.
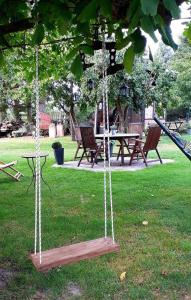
[(29, 112), (126, 117), (16, 110), (73, 121), (120, 112)]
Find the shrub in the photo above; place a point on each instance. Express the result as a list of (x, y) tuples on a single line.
[(56, 145)]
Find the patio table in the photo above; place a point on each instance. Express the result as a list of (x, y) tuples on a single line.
[(121, 137), (174, 125), (31, 160)]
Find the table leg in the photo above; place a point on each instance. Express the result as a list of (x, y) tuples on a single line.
[(32, 167), (41, 174), (126, 145), (122, 151)]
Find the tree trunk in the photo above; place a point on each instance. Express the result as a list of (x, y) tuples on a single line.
[(16, 110), (126, 118), (120, 112), (73, 121), (29, 112)]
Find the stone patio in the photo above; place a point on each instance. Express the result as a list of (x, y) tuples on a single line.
[(115, 165)]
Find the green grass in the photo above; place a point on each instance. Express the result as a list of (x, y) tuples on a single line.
[(157, 257)]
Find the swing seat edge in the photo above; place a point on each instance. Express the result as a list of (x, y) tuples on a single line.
[(73, 253)]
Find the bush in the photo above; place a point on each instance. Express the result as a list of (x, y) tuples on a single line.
[(56, 145)]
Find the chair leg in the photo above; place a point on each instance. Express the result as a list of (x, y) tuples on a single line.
[(87, 157), (94, 159), (127, 146), (81, 158), (144, 158), (100, 156), (10, 175), (158, 155), (98, 152), (119, 152), (77, 150), (134, 153)]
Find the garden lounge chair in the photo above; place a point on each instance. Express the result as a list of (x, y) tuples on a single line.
[(91, 149), (10, 170), (141, 148)]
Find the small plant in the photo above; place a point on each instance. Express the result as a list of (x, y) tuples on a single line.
[(56, 145)]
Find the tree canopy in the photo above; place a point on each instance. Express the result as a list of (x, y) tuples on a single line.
[(74, 27)]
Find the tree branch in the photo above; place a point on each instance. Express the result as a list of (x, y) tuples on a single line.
[(17, 26), (63, 108), (42, 44)]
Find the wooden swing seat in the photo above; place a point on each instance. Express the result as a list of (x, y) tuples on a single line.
[(73, 253)]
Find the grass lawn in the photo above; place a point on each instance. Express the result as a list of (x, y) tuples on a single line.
[(157, 257)]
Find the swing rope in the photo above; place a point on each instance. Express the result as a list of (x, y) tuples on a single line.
[(38, 233), (104, 134), (106, 121)]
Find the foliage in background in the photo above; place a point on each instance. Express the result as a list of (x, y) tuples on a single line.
[(148, 82), (181, 63)]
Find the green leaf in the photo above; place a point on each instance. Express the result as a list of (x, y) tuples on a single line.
[(106, 7), (123, 43), (72, 53), (187, 32), (159, 21), (83, 28), (149, 7), (165, 32), (89, 12), (169, 37), (135, 19), (148, 26), (133, 7), (172, 7), (139, 41), (119, 34), (78, 39), (76, 67), (87, 49), (3, 41), (38, 34), (129, 59), (166, 35), (110, 28), (1, 58), (56, 48)]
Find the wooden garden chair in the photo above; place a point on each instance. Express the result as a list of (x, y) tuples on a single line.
[(91, 149), (141, 149), (10, 171), (78, 140), (79, 143)]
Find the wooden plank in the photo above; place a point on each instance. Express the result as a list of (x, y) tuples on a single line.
[(73, 253), (4, 166)]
